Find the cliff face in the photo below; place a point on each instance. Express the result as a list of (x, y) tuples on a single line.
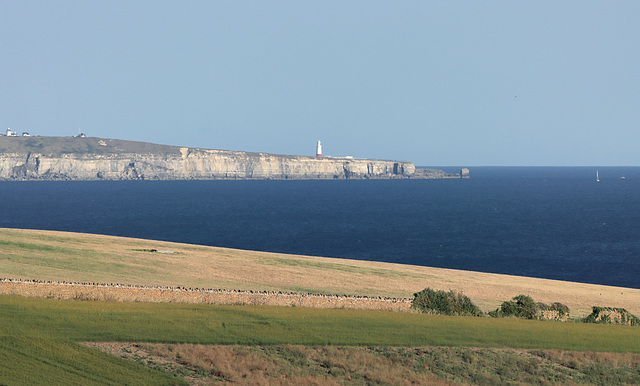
[(63, 158)]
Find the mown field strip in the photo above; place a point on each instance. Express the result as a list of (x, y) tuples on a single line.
[(250, 325)]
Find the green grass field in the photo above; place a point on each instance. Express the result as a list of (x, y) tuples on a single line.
[(40, 339), (38, 336), (211, 324), (48, 360)]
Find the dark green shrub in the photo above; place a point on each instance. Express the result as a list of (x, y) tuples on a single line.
[(446, 303), (593, 316), (527, 308), (561, 308), (523, 306), (633, 320)]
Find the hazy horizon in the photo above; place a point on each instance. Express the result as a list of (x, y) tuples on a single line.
[(495, 83)]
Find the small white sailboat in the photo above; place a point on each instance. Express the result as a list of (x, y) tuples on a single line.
[(597, 177)]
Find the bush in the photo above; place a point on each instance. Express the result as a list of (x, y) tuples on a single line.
[(611, 315), (559, 307), (523, 306), (446, 303)]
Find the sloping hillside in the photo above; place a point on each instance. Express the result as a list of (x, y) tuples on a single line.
[(74, 257)]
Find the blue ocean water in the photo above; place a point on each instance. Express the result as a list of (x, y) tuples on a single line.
[(556, 223)]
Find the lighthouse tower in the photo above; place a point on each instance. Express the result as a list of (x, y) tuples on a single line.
[(319, 150)]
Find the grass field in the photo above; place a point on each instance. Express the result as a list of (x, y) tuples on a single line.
[(40, 334), (47, 360), (40, 339), (46, 255), (208, 324)]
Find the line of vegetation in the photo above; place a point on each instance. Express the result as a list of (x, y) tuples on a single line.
[(522, 306)]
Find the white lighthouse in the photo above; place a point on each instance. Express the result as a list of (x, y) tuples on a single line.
[(319, 150)]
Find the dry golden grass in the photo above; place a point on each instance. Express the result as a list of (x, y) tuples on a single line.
[(610, 359), (280, 365), (333, 365), (63, 256)]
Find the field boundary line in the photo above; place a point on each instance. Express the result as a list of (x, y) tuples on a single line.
[(167, 294)]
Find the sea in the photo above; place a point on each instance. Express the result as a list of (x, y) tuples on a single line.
[(546, 222)]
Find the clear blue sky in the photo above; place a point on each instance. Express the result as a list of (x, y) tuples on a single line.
[(436, 83)]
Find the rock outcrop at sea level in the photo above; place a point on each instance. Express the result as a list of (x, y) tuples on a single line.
[(75, 158)]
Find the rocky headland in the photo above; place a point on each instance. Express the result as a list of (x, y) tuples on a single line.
[(87, 158)]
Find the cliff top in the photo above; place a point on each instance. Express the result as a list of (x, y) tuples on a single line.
[(76, 145), (55, 146)]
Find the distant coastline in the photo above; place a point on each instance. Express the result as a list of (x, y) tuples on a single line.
[(86, 158)]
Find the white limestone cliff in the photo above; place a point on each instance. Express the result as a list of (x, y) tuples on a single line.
[(61, 158)]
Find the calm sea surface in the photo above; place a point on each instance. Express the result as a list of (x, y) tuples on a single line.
[(556, 223)]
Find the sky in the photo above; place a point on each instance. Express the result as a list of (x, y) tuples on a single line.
[(482, 83)]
